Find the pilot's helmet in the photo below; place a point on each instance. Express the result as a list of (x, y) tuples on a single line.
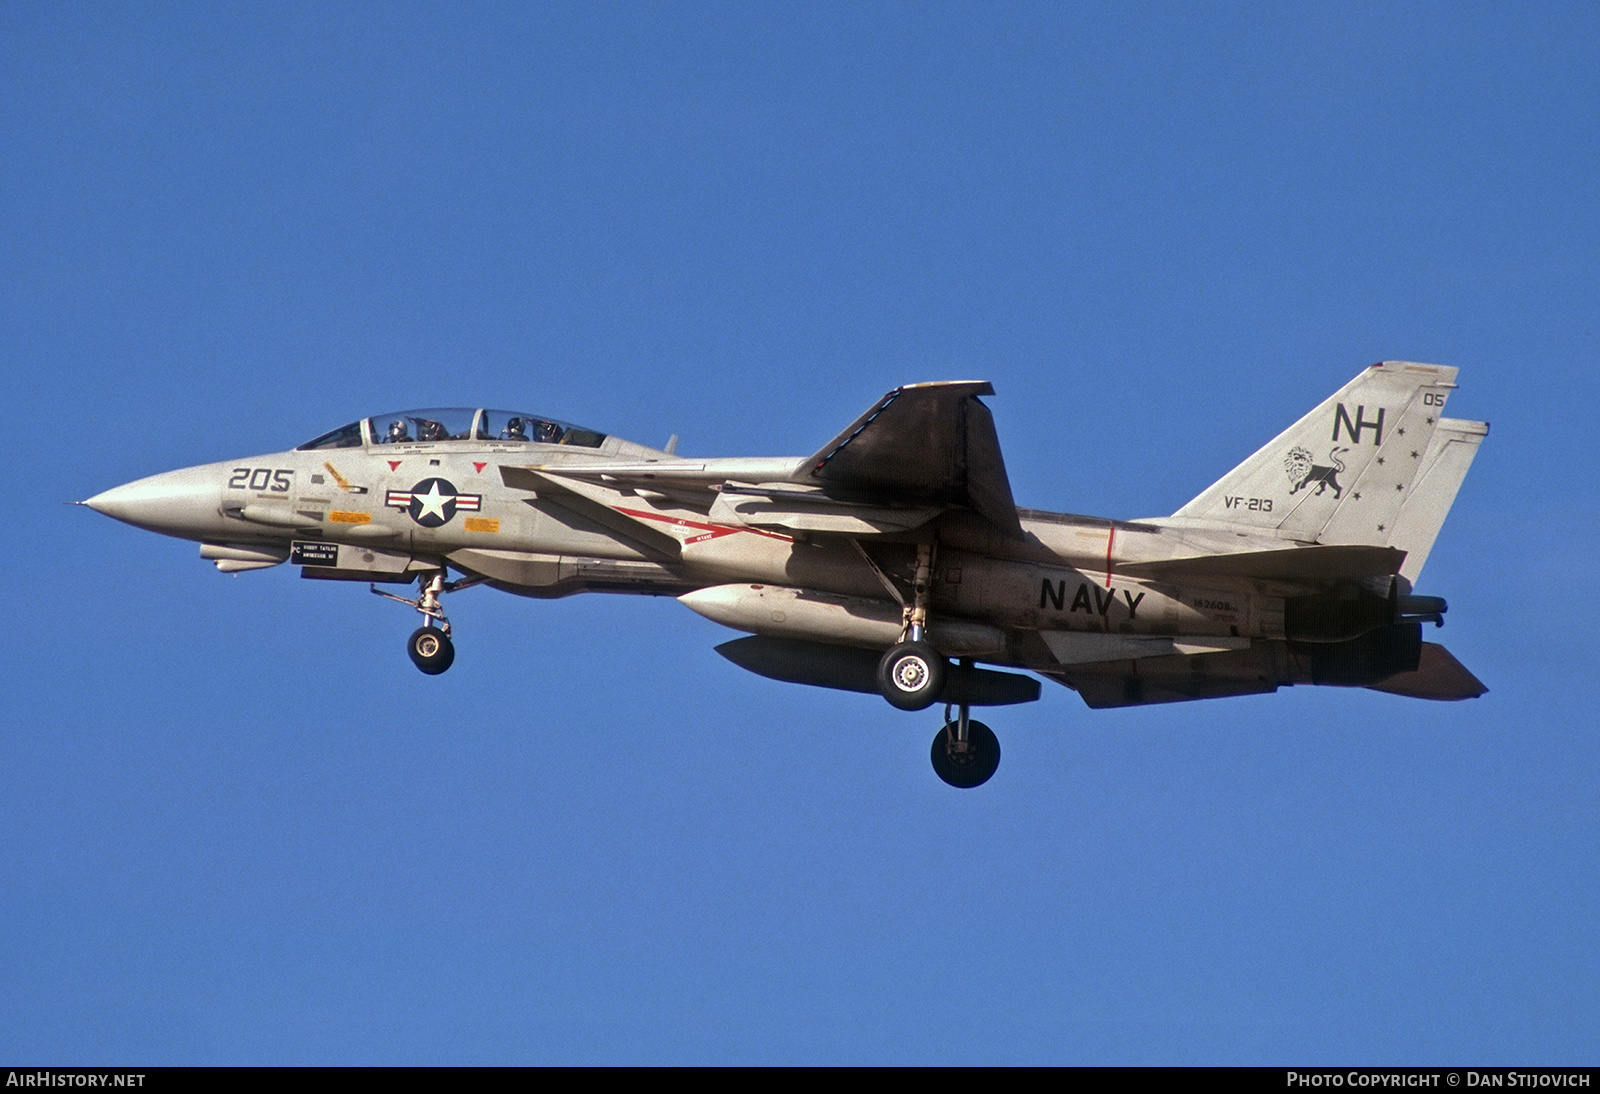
[(398, 431), (547, 432), (516, 430)]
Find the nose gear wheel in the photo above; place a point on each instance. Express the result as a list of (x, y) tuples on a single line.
[(429, 646), (431, 650)]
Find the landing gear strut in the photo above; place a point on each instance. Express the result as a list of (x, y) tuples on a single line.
[(912, 673), (912, 676), (965, 752), (429, 645)]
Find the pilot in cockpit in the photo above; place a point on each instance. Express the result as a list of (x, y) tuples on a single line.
[(516, 430), (398, 433)]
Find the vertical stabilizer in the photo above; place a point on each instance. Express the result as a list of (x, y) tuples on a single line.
[(1345, 472), (1444, 465)]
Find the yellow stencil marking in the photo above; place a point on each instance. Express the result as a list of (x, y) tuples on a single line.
[(344, 484)]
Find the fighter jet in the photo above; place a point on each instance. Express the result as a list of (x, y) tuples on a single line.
[(893, 559)]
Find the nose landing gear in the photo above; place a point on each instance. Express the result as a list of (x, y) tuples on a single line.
[(431, 650), (429, 646)]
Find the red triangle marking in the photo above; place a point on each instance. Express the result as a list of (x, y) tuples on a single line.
[(394, 465), (479, 466)]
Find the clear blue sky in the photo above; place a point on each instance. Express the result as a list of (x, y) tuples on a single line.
[(241, 828)]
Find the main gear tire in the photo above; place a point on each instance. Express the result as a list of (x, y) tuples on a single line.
[(911, 675), (971, 766)]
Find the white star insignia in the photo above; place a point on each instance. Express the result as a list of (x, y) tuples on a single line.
[(432, 502)]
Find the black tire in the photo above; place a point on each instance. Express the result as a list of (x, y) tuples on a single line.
[(431, 650), (911, 675), (976, 765)]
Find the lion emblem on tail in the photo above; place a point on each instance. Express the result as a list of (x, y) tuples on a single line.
[(1303, 470)]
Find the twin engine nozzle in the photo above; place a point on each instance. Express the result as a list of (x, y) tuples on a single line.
[(1353, 608)]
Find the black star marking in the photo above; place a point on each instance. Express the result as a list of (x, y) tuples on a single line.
[(1356, 496), (1380, 527), (1430, 421), (1401, 431), (1399, 486), (1413, 454), (1380, 459)]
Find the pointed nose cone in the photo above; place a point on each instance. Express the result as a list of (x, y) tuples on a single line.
[(179, 503)]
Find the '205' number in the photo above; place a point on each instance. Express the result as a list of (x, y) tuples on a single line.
[(260, 478)]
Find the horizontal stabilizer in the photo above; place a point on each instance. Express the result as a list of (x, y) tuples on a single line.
[(1439, 676), (1392, 659), (1315, 563)]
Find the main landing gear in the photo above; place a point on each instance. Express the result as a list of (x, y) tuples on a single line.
[(912, 676), (430, 646), (965, 752)]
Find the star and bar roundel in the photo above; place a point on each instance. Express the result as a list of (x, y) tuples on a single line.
[(433, 502)]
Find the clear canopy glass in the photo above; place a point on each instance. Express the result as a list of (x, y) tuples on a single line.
[(456, 424)]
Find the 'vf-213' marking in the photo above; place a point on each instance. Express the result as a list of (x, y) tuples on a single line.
[(1055, 593)]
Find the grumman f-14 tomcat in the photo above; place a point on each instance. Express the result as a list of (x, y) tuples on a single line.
[(893, 559)]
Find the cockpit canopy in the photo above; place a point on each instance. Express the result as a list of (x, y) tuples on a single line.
[(456, 424)]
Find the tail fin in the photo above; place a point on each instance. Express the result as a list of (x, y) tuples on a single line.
[(1430, 496), (1346, 472)]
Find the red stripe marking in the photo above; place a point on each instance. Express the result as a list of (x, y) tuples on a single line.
[(1111, 537), (713, 530)]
